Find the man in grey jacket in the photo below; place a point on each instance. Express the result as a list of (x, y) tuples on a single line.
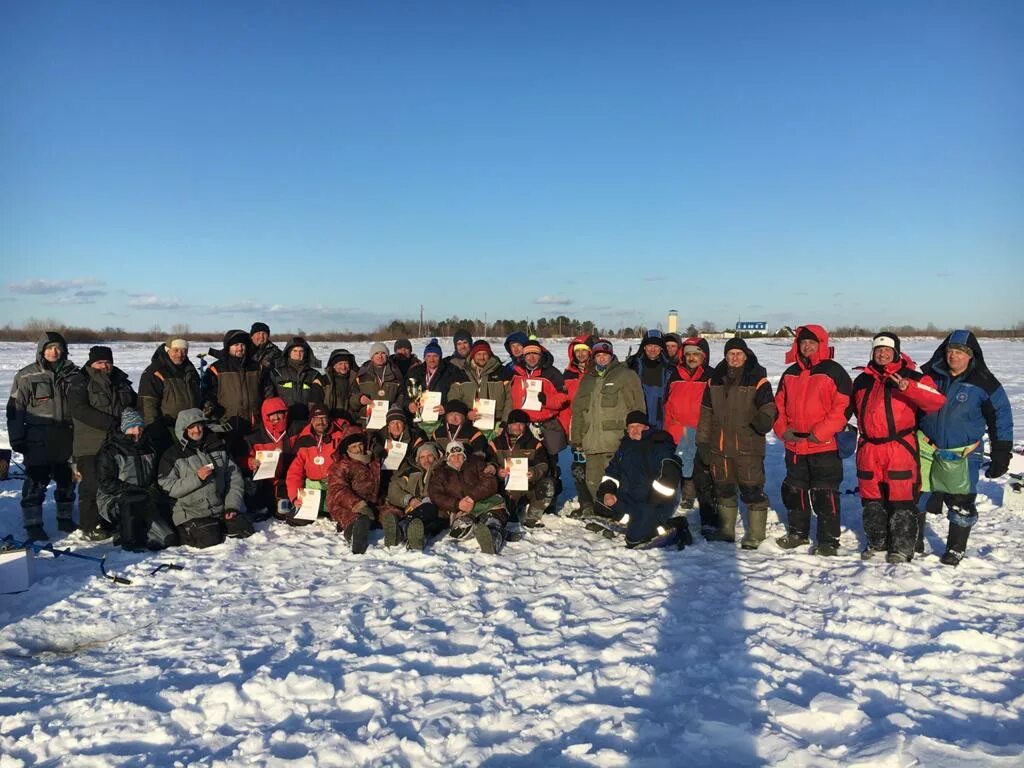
[(39, 426), (204, 484)]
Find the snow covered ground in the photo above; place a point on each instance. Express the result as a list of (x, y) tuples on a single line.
[(567, 650)]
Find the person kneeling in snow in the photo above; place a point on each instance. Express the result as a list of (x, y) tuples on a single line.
[(516, 441), (465, 488), (410, 515), (641, 487), (204, 484), (353, 489), (126, 487)]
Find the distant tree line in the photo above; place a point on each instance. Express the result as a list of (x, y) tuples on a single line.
[(544, 327)]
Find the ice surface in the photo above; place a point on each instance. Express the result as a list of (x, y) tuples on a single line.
[(284, 649)]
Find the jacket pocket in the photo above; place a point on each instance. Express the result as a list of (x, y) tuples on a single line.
[(41, 391)]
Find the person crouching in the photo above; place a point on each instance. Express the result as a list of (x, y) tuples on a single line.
[(353, 490), (465, 488), (204, 484)]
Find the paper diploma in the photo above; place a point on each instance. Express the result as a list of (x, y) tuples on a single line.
[(268, 464), (429, 401), (378, 414), (485, 413), (395, 454), (533, 388), (518, 479), (309, 498)]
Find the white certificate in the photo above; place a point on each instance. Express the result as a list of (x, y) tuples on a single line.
[(395, 455), (518, 479), (268, 464), (428, 402), (533, 388), (309, 499), (485, 413), (378, 414)]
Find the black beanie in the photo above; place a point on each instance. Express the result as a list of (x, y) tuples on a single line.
[(456, 406), (637, 417), (737, 343), (258, 327), (403, 344), (518, 417), (806, 335), (101, 353)]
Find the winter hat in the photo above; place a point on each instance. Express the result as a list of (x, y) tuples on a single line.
[(378, 347), (454, 446), (341, 354), (517, 417), (576, 345), (673, 337), (462, 335), (958, 340), (403, 344), (737, 343), (350, 438), (689, 348), (433, 347), (236, 337), (806, 334), (96, 354), (318, 409), (532, 345), (259, 328), (428, 448), (637, 417), (176, 344), (131, 418), (887, 339), (602, 345), (653, 336), (456, 406), (516, 337), (480, 346), (396, 413)]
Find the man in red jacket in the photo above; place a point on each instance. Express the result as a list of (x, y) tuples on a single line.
[(314, 454), (814, 405), (682, 412), (888, 398)]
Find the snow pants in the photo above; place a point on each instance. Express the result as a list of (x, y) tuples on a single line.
[(33, 491), (812, 482)]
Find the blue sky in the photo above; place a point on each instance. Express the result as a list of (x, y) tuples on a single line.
[(332, 165)]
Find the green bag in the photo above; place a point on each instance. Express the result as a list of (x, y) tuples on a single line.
[(941, 473)]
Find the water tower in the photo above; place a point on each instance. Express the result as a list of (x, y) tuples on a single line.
[(673, 321)]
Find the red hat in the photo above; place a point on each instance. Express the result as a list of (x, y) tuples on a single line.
[(480, 346)]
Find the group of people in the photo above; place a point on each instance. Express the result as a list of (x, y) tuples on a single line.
[(470, 444)]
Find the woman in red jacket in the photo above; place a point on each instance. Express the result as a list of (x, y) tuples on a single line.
[(888, 397)]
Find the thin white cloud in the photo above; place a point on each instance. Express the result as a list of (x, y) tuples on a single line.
[(52, 286), (150, 301), (555, 301), (74, 299)]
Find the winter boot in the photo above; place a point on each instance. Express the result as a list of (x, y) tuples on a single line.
[(876, 528), (358, 533), (67, 525), (956, 544), (922, 518), (903, 533), (826, 506), (826, 550), (488, 535), (415, 535), (757, 514), (462, 527), (65, 516), (36, 533), (99, 533), (728, 511), (392, 533), (896, 558), (689, 494)]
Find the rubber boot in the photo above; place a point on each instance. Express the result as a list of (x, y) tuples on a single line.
[(728, 511), (956, 544), (757, 514)]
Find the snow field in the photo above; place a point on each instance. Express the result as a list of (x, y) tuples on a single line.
[(285, 649)]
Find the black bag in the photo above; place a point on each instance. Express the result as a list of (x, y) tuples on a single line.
[(239, 527), (202, 533)]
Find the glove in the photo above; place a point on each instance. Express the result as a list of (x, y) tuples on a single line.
[(541, 397), (1000, 459), (18, 446), (762, 423)]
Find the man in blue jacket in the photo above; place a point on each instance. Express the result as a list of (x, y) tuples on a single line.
[(950, 438)]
